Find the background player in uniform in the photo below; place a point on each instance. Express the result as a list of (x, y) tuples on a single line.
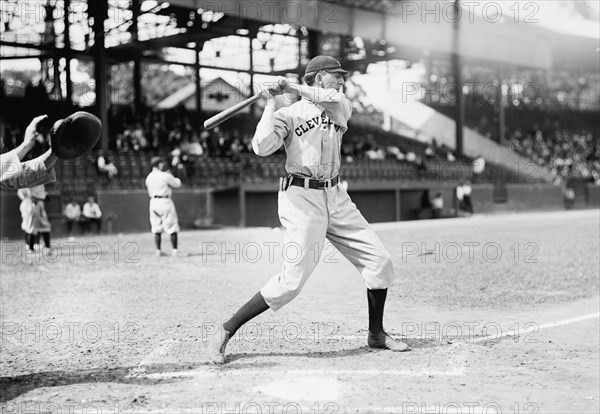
[(163, 216), (26, 208), (312, 206), (41, 221)]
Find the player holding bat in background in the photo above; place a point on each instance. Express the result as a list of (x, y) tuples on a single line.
[(312, 205)]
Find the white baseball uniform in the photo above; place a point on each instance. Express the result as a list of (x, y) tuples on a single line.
[(40, 216), (311, 131), (163, 215), (26, 208)]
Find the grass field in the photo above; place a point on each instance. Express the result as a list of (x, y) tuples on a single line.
[(501, 313)]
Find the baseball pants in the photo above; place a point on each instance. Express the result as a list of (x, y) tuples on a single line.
[(163, 216), (309, 217), (40, 217)]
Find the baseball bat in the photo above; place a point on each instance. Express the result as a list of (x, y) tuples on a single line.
[(229, 112)]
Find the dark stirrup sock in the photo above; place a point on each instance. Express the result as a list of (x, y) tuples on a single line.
[(251, 309), (46, 238), (174, 240), (376, 298), (157, 239), (30, 240)]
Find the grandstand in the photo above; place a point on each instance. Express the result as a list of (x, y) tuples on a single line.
[(162, 86)]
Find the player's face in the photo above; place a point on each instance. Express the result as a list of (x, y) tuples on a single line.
[(329, 80)]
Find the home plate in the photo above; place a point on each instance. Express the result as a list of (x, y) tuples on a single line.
[(303, 388)]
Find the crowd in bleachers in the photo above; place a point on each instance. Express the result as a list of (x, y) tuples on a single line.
[(173, 133), (569, 155)]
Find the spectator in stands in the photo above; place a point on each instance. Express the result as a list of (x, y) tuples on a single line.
[(236, 150), (177, 166), (92, 214), (139, 136), (421, 166), (72, 215), (395, 153), (437, 205), (106, 166), (429, 152), (195, 147)]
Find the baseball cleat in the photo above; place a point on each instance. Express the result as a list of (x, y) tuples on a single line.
[(157, 253), (384, 341), (216, 346), (174, 253)]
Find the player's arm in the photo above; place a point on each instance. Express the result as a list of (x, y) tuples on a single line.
[(28, 174), (174, 181), (337, 106), (272, 129)]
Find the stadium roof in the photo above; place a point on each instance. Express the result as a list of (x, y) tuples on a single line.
[(413, 27)]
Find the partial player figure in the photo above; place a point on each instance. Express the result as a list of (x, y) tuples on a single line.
[(163, 215), (69, 138), (40, 216)]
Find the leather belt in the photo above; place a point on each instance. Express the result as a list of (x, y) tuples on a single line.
[(312, 183), (161, 197)]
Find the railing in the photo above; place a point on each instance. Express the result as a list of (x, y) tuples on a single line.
[(79, 177)]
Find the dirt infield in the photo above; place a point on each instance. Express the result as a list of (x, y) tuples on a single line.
[(501, 313)]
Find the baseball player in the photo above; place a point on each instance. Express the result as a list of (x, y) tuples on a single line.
[(26, 208), (15, 174), (41, 221), (313, 206), (163, 216)]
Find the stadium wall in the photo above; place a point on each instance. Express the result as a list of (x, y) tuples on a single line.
[(593, 196), (524, 197), (127, 211), (123, 211), (253, 205)]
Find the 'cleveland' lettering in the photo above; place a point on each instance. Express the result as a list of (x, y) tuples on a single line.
[(315, 122)]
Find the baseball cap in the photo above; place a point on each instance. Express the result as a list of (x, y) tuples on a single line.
[(155, 161), (326, 63)]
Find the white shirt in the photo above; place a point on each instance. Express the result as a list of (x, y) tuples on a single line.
[(478, 165), (91, 210), (72, 211), (160, 183)]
